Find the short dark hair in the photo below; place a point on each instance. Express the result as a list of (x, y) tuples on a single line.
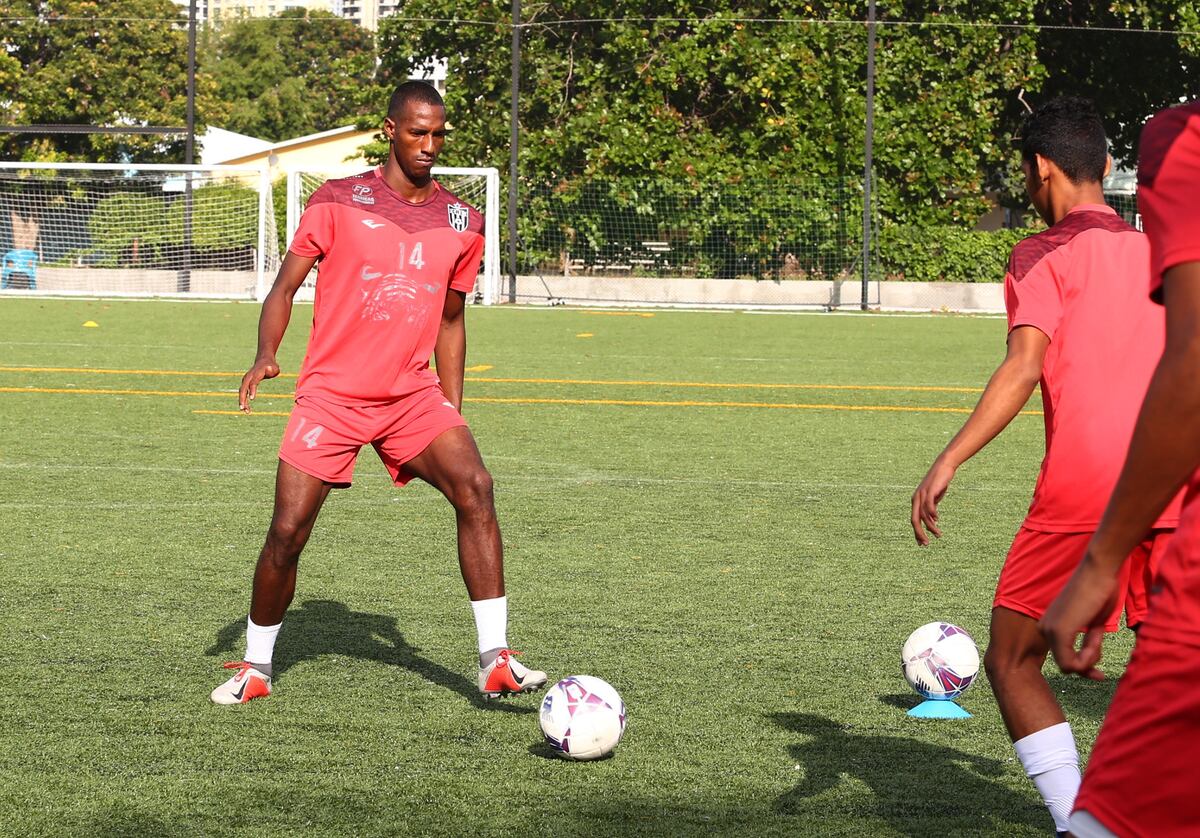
[(414, 91), (1068, 132)]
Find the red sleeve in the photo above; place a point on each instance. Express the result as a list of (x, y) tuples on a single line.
[(467, 266), (314, 235), (1035, 299), (1168, 174)]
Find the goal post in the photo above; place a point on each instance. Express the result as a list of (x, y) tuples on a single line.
[(479, 187), (136, 230)]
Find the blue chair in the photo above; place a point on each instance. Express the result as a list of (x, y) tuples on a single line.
[(19, 262)]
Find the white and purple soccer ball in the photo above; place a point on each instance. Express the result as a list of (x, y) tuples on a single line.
[(940, 660), (582, 717)]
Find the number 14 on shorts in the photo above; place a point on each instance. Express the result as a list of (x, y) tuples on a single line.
[(309, 437)]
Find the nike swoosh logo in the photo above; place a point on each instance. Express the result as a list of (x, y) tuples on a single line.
[(520, 679), (374, 225), (238, 695)]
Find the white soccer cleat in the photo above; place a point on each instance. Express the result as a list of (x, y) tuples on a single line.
[(506, 676), (247, 684)]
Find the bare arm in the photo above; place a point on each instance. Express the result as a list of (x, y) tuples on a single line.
[(450, 350), (1006, 393), (272, 323), (1163, 453)]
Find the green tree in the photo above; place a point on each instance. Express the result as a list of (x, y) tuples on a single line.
[(296, 73), (1130, 74), (84, 62)]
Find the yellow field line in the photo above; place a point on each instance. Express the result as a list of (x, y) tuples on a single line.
[(488, 400), (134, 372), (106, 392), (630, 403), (587, 381), (240, 413), (735, 385), (777, 405)]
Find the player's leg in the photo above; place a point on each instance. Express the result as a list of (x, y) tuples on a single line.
[(1140, 778), (317, 453), (451, 463), (1036, 569), (298, 500), (1035, 721)]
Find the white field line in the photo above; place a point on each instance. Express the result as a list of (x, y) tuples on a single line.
[(581, 477)]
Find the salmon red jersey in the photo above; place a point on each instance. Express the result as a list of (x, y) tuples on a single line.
[(1168, 178), (384, 268), (1084, 282)]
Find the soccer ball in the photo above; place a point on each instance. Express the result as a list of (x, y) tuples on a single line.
[(582, 717), (939, 660)]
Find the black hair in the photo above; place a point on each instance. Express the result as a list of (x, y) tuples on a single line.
[(414, 91), (1068, 132)]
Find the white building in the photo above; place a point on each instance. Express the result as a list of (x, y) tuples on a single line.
[(366, 13)]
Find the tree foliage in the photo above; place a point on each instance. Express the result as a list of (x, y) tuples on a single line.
[(706, 96), (296, 73), (85, 62), (703, 94)]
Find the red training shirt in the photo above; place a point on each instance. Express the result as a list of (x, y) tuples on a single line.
[(1168, 179), (1084, 282), (385, 265)]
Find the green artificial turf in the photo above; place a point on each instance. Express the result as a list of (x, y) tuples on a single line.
[(743, 574)]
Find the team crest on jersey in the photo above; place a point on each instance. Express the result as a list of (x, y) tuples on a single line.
[(459, 216), (362, 194)]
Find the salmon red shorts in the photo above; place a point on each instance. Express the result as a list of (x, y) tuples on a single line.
[(323, 438), (1140, 779), (1039, 564)]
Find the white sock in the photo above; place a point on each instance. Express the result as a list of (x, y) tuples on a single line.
[(260, 642), (491, 623), (1051, 761)]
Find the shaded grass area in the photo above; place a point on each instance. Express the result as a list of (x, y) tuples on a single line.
[(744, 576)]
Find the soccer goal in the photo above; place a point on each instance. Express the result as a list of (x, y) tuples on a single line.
[(138, 230), (478, 187)]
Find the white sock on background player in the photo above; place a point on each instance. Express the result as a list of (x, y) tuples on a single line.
[(1051, 760), (260, 645), (491, 627)]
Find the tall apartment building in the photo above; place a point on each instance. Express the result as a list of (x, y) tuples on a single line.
[(201, 8), (366, 13)]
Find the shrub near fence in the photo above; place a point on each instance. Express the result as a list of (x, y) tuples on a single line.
[(794, 230), (148, 229), (946, 254)]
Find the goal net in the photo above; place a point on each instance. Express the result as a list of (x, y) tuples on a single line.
[(136, 229), (478, 187)]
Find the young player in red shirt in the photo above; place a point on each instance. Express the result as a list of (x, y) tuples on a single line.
[(1141, 778), (1081, 325), (397, 256)]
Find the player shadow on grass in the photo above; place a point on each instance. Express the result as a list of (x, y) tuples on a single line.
[(919, 788), (320, 627)]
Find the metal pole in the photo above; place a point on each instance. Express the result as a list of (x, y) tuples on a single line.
[(868, 148), (514, 147), (184, 283)]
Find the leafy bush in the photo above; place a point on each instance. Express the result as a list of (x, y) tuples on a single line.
[(224, 217), (120, 223), (946, 254)]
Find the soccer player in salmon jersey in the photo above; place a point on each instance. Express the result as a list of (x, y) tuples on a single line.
[(1080, 323), (1141, 777), (397, 255)]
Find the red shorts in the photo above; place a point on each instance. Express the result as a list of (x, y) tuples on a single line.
[(1040, 563), (1140, 779), (323, 438)]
